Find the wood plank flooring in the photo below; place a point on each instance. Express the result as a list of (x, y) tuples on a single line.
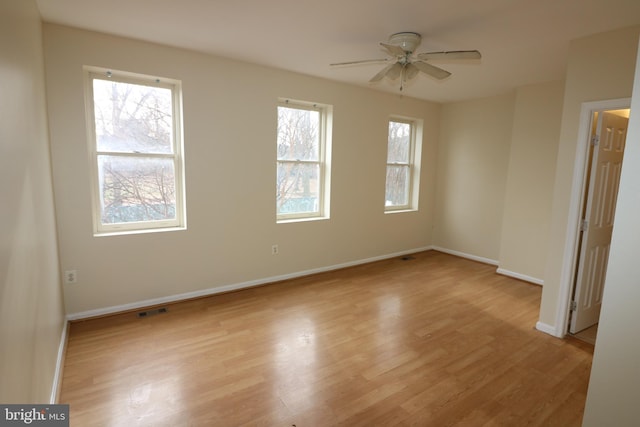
[(431, 341), (588, 335)]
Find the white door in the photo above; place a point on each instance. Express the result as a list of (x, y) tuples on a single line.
[(598, 222)]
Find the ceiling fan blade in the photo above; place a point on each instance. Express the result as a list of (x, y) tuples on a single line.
[(393, 49), (394, 71), (453, 54), (365, 61), (429, 69), (381, 74), (410, 71)]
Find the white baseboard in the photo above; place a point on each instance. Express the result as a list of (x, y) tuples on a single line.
[(227, 288), (519, 276), (549, 329), (464, 255), (491, 262), (57, 376)]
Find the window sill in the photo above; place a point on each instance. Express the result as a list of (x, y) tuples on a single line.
[(291, 220), (400, 211), (139, 231)]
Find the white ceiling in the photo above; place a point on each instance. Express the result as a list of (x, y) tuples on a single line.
[(522, 41)]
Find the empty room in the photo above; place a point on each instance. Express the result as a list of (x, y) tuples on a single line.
[(337, 213)]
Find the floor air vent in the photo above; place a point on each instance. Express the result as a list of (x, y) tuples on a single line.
[(152, 312), (407, 258)]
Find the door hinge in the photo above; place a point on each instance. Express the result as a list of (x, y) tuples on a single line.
[(595, 140), (573, 306), (584, 225)]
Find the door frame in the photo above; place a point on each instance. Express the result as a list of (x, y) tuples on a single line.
[(572, 237)]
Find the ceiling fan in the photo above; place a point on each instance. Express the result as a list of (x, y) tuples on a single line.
[(406, 65)]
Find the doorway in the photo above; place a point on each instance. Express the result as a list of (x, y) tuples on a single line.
[(605, 151)]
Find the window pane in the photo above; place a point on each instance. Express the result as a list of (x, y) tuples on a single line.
[(298, 134), (136, 189), (132, 118), (298, 188), (397, 192), (399, 142)]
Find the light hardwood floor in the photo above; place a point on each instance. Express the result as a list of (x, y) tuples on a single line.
[(432, 341), (588, 335)]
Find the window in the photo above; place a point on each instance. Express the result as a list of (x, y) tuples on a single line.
[(302, 161), (135, 141), (401, 192)]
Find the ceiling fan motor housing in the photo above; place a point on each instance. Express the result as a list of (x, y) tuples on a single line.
[(408, 41)]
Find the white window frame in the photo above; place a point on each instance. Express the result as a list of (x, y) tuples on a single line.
[(413, 164), (179, 223), (324, 161)]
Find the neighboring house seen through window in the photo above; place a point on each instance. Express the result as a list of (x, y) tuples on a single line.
[(135, 141)]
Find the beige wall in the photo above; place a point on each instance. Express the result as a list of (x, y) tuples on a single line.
[(229, 127), (613, 388), (473, 159), (31, 310), (532, 163), (600, 67)]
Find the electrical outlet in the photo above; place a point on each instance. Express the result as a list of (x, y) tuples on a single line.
[(70, 276), (274, 250)]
